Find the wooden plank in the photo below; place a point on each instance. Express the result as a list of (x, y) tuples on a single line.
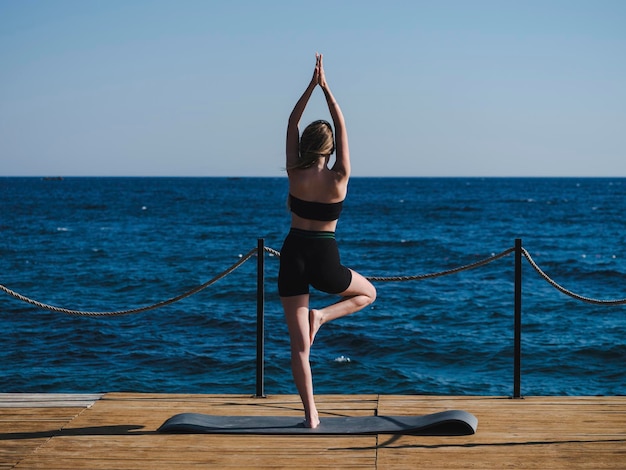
[(47, 400), (28, 422)]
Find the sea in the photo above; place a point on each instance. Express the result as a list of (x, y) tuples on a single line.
[(99, 244)]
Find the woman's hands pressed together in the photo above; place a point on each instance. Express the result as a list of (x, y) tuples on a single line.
[(319, 77), (319, 67)]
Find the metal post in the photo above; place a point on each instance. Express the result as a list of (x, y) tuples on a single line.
[(260, 320), (517, 367)]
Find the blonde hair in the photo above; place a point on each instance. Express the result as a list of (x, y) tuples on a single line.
[(317, 141)]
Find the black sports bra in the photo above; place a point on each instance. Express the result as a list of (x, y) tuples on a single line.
[(321, 211)]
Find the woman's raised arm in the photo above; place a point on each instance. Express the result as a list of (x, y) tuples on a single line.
[(293, 133), (342, 162)]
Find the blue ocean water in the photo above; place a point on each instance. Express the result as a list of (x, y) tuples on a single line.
[(103, 244)]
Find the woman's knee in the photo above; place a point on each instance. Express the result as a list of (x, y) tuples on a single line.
[(363, 287), (373, 292), (370, 292)]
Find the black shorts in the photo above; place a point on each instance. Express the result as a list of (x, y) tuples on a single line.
[(311, 258)]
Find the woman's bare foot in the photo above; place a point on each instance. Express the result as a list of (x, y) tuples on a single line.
[(311, 422), (315, 322)]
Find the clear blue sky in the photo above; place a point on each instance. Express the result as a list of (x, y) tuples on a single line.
[(204, 88)]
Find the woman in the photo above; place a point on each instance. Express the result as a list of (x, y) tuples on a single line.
[(309, 255)]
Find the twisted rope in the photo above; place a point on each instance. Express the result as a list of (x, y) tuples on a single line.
[(466, 267), (189, 293), (564, 290), (272, 251)]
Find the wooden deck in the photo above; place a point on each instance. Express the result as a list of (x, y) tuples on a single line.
[(118, 431)]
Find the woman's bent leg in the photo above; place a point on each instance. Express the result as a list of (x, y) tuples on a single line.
[(357, 296), (297, 317)]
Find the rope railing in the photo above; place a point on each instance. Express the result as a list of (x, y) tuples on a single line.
[(564, 290), (420, 277), (163, 303), (276, 253)]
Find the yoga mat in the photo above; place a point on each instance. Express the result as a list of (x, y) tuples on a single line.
[(445, 423)]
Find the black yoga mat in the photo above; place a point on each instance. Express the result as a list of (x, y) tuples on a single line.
[(445, 423)]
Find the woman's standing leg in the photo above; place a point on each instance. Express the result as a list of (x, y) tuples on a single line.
[(297, 317)]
